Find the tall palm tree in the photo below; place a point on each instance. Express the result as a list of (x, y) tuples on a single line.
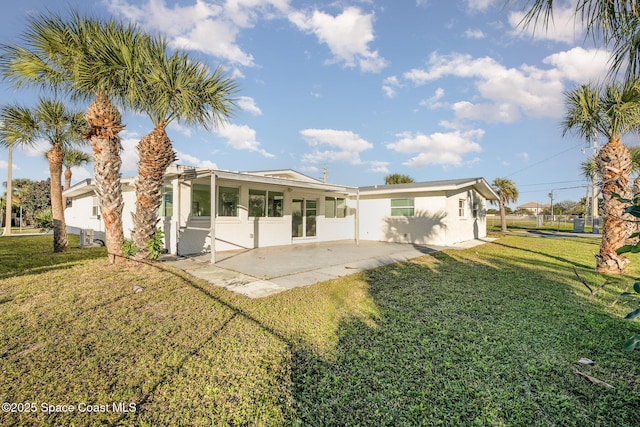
[(614, 22), (72, 158), (86, 58), (51, 121), (616, 113), (507, 193), (175, 88)]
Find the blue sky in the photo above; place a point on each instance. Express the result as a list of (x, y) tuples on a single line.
[(429, 88)]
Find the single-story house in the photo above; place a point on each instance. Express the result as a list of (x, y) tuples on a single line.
[(534, 207), (283, 207)]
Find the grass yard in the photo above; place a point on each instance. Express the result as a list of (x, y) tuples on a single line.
[(486, 336)]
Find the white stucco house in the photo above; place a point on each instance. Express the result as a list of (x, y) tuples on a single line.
[(284, 207)]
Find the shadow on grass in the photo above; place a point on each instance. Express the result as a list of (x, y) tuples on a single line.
[(24, 255), (458, 344)]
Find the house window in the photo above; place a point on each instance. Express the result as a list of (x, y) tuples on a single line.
[(228, 201), (201, 200), (265, 203), (166, 206), (257, 202), (402, 207), (461, 207), (275, 205), (335, 207), (95, 208)]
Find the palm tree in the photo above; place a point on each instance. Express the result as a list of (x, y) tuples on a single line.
[(175, 88), (507, 193), (616, 113), (72, 158), (50, 121), (86, 57), (615, 22), (397, 178)]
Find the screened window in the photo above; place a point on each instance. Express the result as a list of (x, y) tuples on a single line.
[(265, 203), (95, 208), (275, 205), (257, 202), (335, 207), (228, 201), (166, 207), (402, 207), (462, 207), (201, 200)]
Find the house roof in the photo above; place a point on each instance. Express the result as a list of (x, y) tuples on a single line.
[(480, 184), (533, 205)]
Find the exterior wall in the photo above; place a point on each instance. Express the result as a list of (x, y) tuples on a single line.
[(436, 219), (245, 232), (79, 215), (470, 226), (427, 226)]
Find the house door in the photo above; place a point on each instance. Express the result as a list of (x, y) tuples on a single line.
[(303, 217)]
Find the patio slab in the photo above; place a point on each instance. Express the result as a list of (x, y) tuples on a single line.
[(261, 272)]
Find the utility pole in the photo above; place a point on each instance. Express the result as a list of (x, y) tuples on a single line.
[(551, 197), (7, 223), (324, 174)]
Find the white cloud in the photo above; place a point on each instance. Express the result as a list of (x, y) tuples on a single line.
[(5, 165), (347, 146), (524, 156), (562, 28), (480, 5), (505, 94), (378, 166), (347, 35), (248, 104), (184, 130), (579, 64), (390, 86), (189, 160), (438, 148), (474, 34), (203, 26), (433, 102), (242, 137), (129, 154)]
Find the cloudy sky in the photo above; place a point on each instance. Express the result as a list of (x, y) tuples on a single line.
[(429, 88)]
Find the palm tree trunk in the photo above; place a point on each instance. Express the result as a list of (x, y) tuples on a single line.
[(614, 165), (67, 185), (56, 156), (104, 119), (156, 154), (503, 216)]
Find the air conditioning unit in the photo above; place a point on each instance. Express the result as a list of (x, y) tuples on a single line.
[(86, 238)]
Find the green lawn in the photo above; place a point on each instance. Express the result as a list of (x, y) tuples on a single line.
[(486, 336)]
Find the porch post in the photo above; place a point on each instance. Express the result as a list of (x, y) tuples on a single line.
[(214, 214), (357, 219)]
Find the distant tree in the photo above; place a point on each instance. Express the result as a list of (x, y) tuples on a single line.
[(567, 207), (37, 199), (50, 121), (507, 193), (72, 157), (397, 178), (523, 211)]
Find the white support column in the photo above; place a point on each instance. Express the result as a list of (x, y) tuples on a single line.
[(357, 219), (214, 214)]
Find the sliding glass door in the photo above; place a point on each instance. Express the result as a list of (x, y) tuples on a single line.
[(303, 217)]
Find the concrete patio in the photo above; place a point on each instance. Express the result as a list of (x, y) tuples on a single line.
[(262, 272)]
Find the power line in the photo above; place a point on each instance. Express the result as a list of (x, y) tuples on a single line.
[(548, 183), (544, 160)]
